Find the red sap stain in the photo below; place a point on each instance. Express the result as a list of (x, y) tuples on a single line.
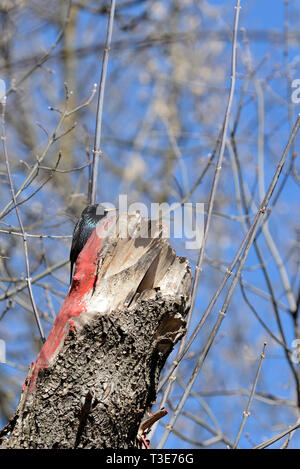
[(75, 302)]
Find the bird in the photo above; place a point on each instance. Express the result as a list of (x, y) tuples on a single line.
[(83, 229)]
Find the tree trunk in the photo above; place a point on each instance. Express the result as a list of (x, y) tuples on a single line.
[(98, 371)]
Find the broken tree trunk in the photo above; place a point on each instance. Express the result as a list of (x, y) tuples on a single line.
[(98, 371)]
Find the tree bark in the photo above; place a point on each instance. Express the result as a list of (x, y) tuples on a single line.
[(98, 371)]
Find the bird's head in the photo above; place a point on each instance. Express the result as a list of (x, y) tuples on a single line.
[(96, 212)]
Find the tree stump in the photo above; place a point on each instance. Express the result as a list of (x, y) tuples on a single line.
[(98, 371)]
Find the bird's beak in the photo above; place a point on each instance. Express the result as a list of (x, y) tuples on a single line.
[(111, 209)]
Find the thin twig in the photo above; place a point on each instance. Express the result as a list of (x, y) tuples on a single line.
[(40, 236), (35, 169), (45, 57), (277, 437), (38, 188), (214, 186), (249, 286), (236, 167), (97, 140), (264, 325), (240, 257), (220, 157), (28, 278), (216, 432), (45, 272), (246, 413), (261, 184)]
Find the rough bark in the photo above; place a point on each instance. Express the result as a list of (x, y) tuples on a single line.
[(98, 372)]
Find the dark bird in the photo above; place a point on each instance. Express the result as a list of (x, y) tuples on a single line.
[(85, 226)]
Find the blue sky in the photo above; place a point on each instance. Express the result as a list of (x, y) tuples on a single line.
[(259, 16)]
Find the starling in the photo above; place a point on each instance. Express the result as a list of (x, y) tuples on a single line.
[(85, 226)]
